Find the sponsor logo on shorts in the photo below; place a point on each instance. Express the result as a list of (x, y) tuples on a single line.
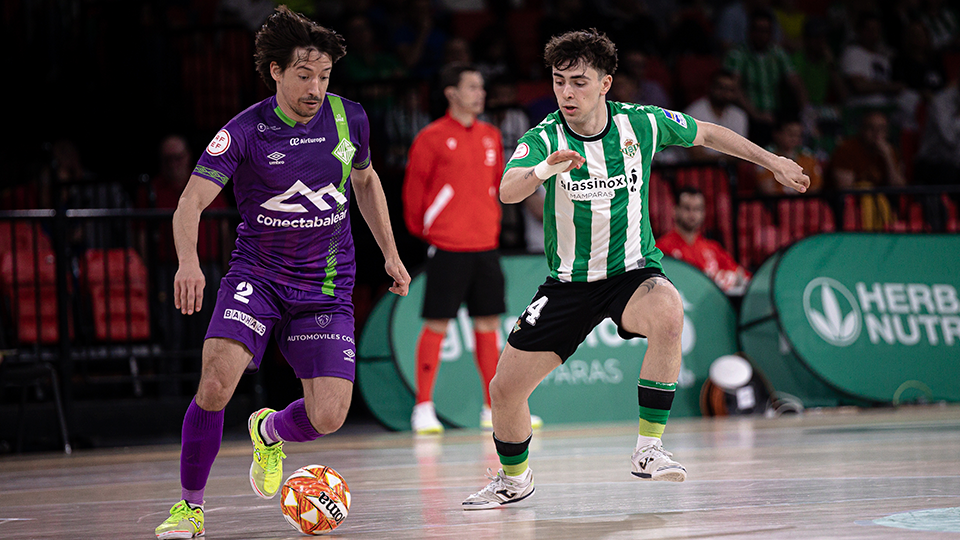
[(349, 355), (323, 319), (246, 319), (317, 336)]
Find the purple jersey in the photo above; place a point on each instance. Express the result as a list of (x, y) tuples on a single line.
[(292, 186)]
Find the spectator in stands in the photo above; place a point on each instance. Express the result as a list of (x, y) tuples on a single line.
[(938, 160), (866, 161), (687, 243), (419, 40), (214, 242), (791, 20), (942, 23), (762, 69), (866, 68), (719, 107), (788, 142), (647, 91), (816, 66), (734, 22), (921, 71), (366, 63)]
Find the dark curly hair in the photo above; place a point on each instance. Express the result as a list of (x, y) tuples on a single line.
[(592, 47), (283, 33)]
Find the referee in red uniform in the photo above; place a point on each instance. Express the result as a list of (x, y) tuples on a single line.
[(451, 201)]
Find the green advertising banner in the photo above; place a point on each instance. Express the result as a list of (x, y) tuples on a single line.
[(597, 383), (874, 316), (765, 345)]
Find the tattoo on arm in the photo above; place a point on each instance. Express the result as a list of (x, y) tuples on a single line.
[(528, 175)]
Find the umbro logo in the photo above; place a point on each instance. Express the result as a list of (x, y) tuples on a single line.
[(349, 355), (275, 158)]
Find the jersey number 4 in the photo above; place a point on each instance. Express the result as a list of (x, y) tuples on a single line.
[(533, 310)]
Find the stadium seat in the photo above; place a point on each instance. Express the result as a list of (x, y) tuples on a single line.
[(23, 235), (115, 281), (29, 283), (661, 205), (800, 218), (757, 235)]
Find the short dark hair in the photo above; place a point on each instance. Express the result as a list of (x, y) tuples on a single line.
[(722, 73), (761, 14), (284, 32), (450, 74), (687, 190), (592, 47)]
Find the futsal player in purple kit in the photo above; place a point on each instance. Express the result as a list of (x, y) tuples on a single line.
[(292, 159)]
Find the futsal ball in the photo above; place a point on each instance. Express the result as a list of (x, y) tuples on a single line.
[(315, 499)]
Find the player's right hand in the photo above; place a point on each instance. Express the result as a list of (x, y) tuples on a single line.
[(790, 174), (188, 288), (574, 157)]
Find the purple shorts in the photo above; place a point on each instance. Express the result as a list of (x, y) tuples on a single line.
[(313, 331)]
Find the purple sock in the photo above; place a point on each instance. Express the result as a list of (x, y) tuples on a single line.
[(291, 424), (201, 436)]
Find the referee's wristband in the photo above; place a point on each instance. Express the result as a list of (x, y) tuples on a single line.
[(545, 171)]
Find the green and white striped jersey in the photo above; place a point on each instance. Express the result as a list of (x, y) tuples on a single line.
[(596, 223)]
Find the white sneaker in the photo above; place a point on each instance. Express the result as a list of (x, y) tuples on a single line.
[(652, 462), (501, 490), (424, 419), (486, 420)]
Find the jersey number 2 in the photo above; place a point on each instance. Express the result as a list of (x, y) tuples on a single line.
[(533, 310), (244, 290)]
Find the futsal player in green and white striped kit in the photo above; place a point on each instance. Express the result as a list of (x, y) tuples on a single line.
[(593, 157)]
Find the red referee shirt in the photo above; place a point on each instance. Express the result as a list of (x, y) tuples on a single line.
[(451, 187)]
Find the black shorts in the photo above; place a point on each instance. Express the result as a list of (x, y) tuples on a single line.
[(561, 315), (456, 277)]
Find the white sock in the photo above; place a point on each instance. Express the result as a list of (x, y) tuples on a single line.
[(643, 440), (267, 439)]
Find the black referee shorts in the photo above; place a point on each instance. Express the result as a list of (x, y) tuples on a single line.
[(561, 314), (455, 277)]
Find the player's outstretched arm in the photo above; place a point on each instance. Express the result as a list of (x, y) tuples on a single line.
[(785, 170), (373, 206), (189, 281), (520, 182)]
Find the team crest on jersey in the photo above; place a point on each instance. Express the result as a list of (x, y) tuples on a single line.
[(629, 148), (220, 143), (676, 117), (522, 151), (344, 151), (323, 319)]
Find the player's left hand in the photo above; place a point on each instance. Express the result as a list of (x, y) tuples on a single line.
[(790, 174), (401, 279)]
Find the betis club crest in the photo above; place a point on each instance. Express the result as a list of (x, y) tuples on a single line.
[(629, 148)]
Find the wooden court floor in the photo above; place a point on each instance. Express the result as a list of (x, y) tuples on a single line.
[(836, 475)]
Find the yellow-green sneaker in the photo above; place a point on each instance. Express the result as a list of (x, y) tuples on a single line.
[(184, 522), (266, 471)]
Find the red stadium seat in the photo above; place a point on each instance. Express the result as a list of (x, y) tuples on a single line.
[(661, 205), (29, 283), (757, 235), (115, 281), (23, 235), (800, 218)]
